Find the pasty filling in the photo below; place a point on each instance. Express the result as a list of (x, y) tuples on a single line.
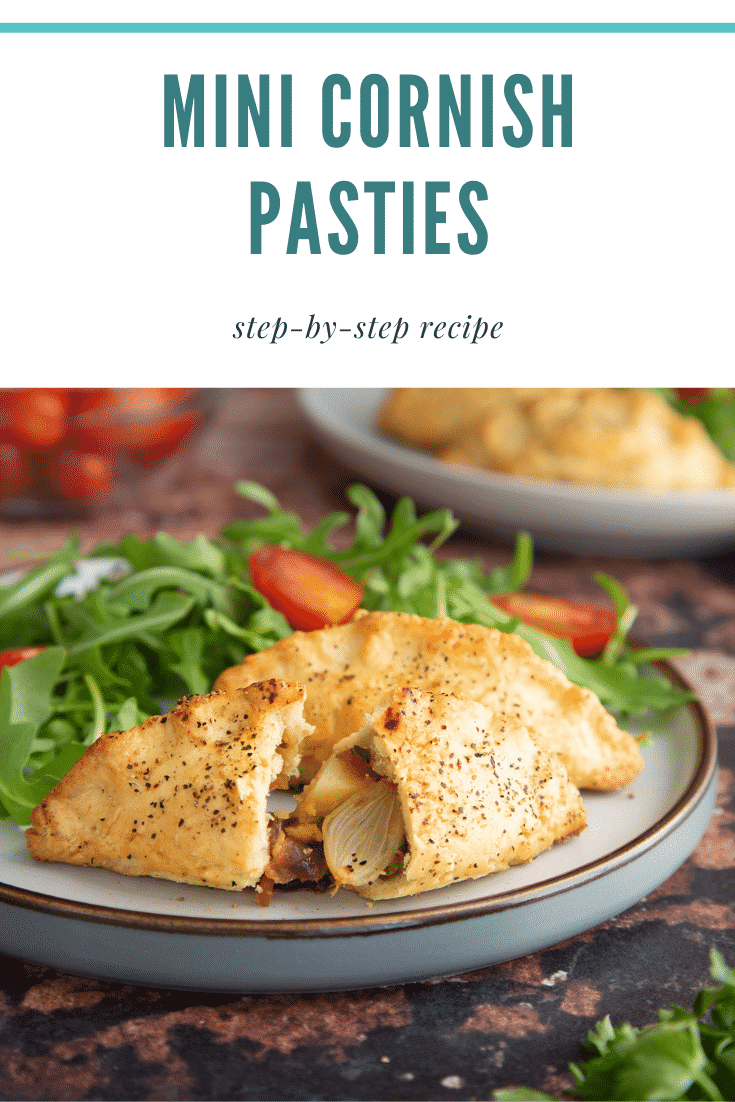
[(347, 828)]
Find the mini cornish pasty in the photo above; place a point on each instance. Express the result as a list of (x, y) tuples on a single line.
[(619, 438), (434, 417), (431, 790), (348, 669), (182, 796), (604, 436)]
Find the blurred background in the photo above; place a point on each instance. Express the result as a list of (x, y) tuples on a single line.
[(111, 461), (170, 459)]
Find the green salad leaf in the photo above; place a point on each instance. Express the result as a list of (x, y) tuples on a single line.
[(25, 705), (715, 410), (186, 611), (681, 1056)]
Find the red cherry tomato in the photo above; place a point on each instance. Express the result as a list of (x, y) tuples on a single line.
[(140, 422), (587, 627), (15, 471), (18, 654), (692, 391), (310, 592), (139, 399), (35, 418), (81, 475)]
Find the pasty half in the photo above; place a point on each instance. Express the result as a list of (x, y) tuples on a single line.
[(348, 669), (182, 796), (448, 791)]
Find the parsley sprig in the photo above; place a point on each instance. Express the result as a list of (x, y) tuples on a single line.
[(681, 1056)]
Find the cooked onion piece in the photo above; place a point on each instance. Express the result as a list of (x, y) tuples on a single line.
[(363, 834)]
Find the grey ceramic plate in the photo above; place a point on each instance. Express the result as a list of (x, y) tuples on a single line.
[(161, 934), (559, 515)]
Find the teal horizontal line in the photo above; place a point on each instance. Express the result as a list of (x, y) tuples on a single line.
[(367, 28)]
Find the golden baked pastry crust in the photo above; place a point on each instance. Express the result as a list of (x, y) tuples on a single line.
[(347, 670), (604, 437), (432, 417), (182, 796), (477, 792)]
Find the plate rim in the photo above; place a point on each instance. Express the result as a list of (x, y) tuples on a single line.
[(441, 914), (423, 462)]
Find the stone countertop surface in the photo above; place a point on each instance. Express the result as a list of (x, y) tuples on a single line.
[(68, 1037)]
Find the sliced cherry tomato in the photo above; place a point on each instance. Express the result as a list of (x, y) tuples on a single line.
[(18, 654), (15, 471), (144, 422), (81, 475), (310, 592), (586, 626), (34, 418)]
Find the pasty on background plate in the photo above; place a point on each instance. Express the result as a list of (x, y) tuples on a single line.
[(182, 796), (449, 791), (620, 438), (433, 417), (625, 438), (347, 670)]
